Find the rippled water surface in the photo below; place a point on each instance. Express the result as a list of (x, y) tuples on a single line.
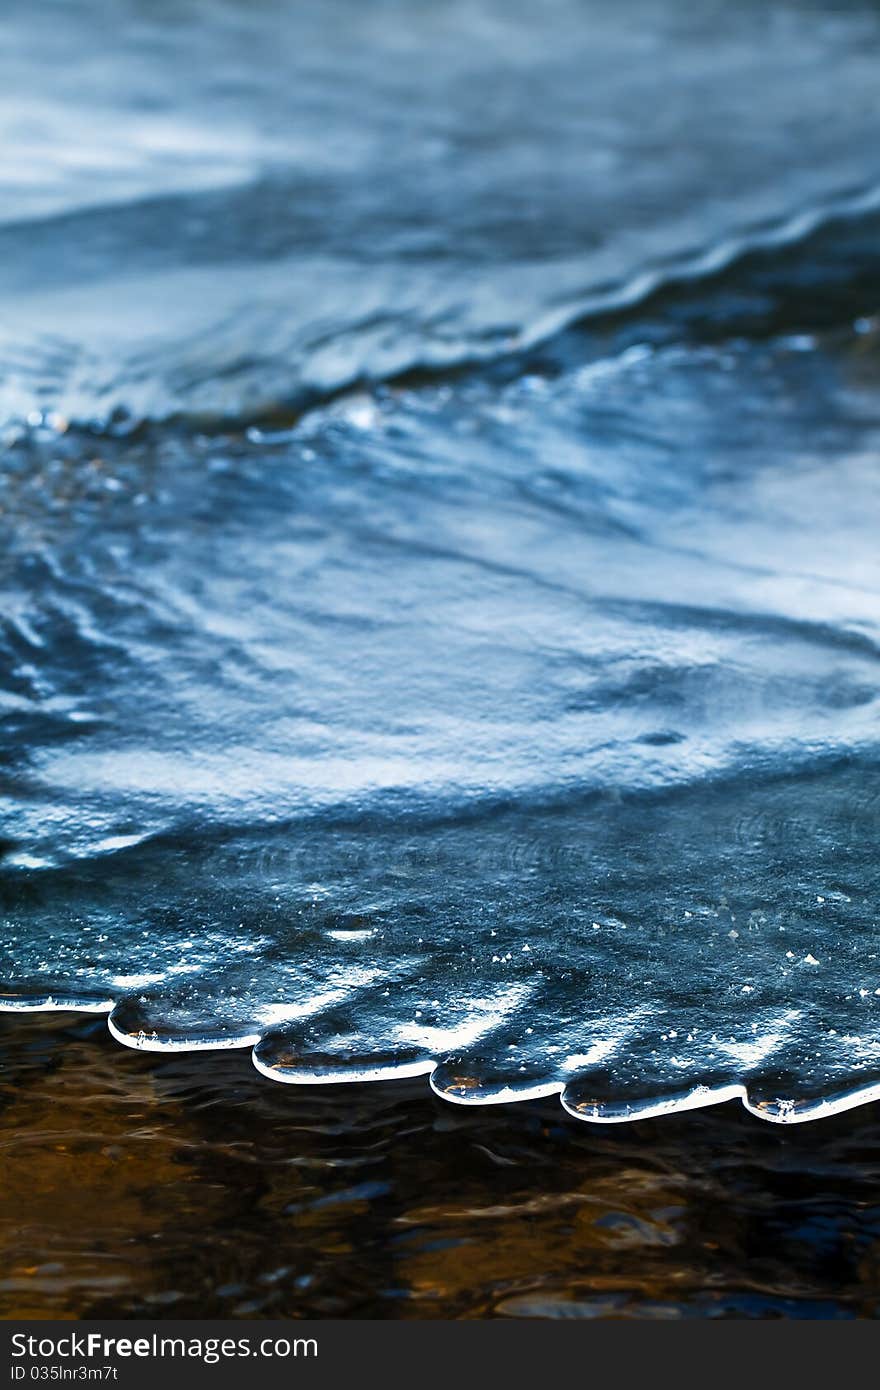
[(438, 545)]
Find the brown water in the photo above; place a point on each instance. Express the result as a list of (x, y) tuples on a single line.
[(143, 1186)]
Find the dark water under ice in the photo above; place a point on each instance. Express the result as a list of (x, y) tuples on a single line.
[(439, 557), (185, 1185)]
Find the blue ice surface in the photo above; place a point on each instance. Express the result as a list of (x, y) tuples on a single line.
[(512, 720)]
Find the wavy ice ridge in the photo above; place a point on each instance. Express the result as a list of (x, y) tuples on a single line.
[(266, 242)]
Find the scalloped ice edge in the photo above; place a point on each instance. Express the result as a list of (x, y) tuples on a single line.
[(781, 1111)]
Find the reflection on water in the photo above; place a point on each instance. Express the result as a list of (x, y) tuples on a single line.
[(177, 1186)]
